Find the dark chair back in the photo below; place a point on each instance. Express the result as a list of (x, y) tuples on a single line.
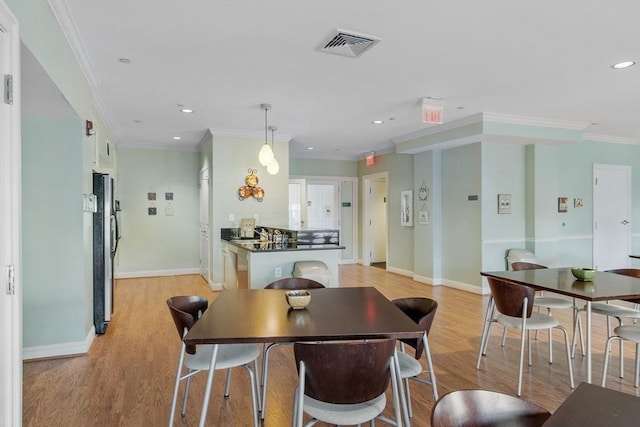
[(345, 372), (185, 311), (509, 297), (631, 272), (422, 311), (294, 283), (486, 408), (526, 266)]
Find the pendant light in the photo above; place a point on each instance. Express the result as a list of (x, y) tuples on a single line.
[(265, 156), (273, 167)]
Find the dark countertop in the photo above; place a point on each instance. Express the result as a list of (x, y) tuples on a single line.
[(272, 247)]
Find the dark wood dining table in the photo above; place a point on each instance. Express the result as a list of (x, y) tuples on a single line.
[(263, 316), (594, 406), (604, 287)]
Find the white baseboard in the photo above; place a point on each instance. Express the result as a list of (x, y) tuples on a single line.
[(60, 350), (156, 273), (480, 290), (215, 286), (399, 271), (427, 280)]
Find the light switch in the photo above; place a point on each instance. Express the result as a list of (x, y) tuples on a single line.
[(232, 218)]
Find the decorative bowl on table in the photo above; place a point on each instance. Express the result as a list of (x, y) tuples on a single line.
[(298, 299), (585, 274)]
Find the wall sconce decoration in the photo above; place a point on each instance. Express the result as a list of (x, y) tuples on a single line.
[(88, 128), (251, 189)]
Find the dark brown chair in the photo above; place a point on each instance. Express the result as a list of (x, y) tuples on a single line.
[(292, 283), (344, 382), (422, 311), (484, 408), (185, 311), (549, 303), (288, 283), (514, 304)]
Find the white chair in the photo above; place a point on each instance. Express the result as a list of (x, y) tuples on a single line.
[(550, 303), (344, 382), (185, 311), (515, 307), (422, 311), (617, 311), (629, 333)]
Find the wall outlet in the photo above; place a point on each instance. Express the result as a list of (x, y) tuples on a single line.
[(232, 218), (255, 216), (278, 271)]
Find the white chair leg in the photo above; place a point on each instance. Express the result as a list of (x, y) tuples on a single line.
[(504, 336), (395, 374), (186, 396), (529, 348), (550, 346), (227, 384), (569, 364), (485, 331), (255, 403), (621, 351), (265, 371), (176, 386), (522, 338), (637, 370), (607, 348)]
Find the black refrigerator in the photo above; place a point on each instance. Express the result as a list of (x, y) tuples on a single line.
[(105, 244)]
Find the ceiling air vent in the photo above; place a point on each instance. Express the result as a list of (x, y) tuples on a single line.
[(348, 43)]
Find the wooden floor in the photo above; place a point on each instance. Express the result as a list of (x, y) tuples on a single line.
[(127, 377)]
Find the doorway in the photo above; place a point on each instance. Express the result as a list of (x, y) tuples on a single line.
[(611, 216), (374, 225), (204, 224)]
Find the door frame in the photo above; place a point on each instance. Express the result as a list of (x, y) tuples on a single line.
[(367, 242), (10, 217)]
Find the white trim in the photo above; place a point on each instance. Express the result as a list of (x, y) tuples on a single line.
[(534, 121), (474, 289), (400, 271), (156, 273), (10, 225), (233, 133), (610, 139), (475, 118), (427, 280), (539, 240), (74, 348), (215, 286), (164, 147)]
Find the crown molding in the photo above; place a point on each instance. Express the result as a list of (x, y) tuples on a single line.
[(233, 133), (69, 28), (534, 121), (164, 147), (475, 118), (611, 139)]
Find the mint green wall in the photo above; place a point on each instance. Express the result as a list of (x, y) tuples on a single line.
[(41, 34), (400, 239), (158, 243), (462, 219), (426, 244), (228, 159), (55, 294), (503, 172), (319, 167)]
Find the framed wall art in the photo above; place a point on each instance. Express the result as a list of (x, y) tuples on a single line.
[(563, 204), (406, 208)]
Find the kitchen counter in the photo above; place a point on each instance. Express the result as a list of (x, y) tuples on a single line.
[(251, 264)]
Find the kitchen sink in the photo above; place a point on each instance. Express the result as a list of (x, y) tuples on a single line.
[(245, 241)]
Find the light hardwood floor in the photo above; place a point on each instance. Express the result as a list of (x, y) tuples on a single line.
[(127, 377)]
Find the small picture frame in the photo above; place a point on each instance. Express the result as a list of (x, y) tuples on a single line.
[(563, 204), (151, 196), (153, 211), (504, 203), (424, 217), (168, 196), (406, 208), (578, 203)]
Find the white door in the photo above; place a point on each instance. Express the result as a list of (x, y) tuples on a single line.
[(297, 204), (611, 216), (10, 283), (204, 224), (374, 223), (322, 205), (378, 223)]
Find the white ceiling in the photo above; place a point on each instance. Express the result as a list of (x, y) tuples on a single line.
[(533, 58)]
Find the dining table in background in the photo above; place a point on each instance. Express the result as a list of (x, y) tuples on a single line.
[(603, 287), (263, 316), (594, 406)]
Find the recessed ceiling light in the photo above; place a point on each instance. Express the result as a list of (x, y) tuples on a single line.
[(377, 122), (137, 121), (309, 148), (621, 65), (460, 108), (177, 138), (186, 110), (124, 60)]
